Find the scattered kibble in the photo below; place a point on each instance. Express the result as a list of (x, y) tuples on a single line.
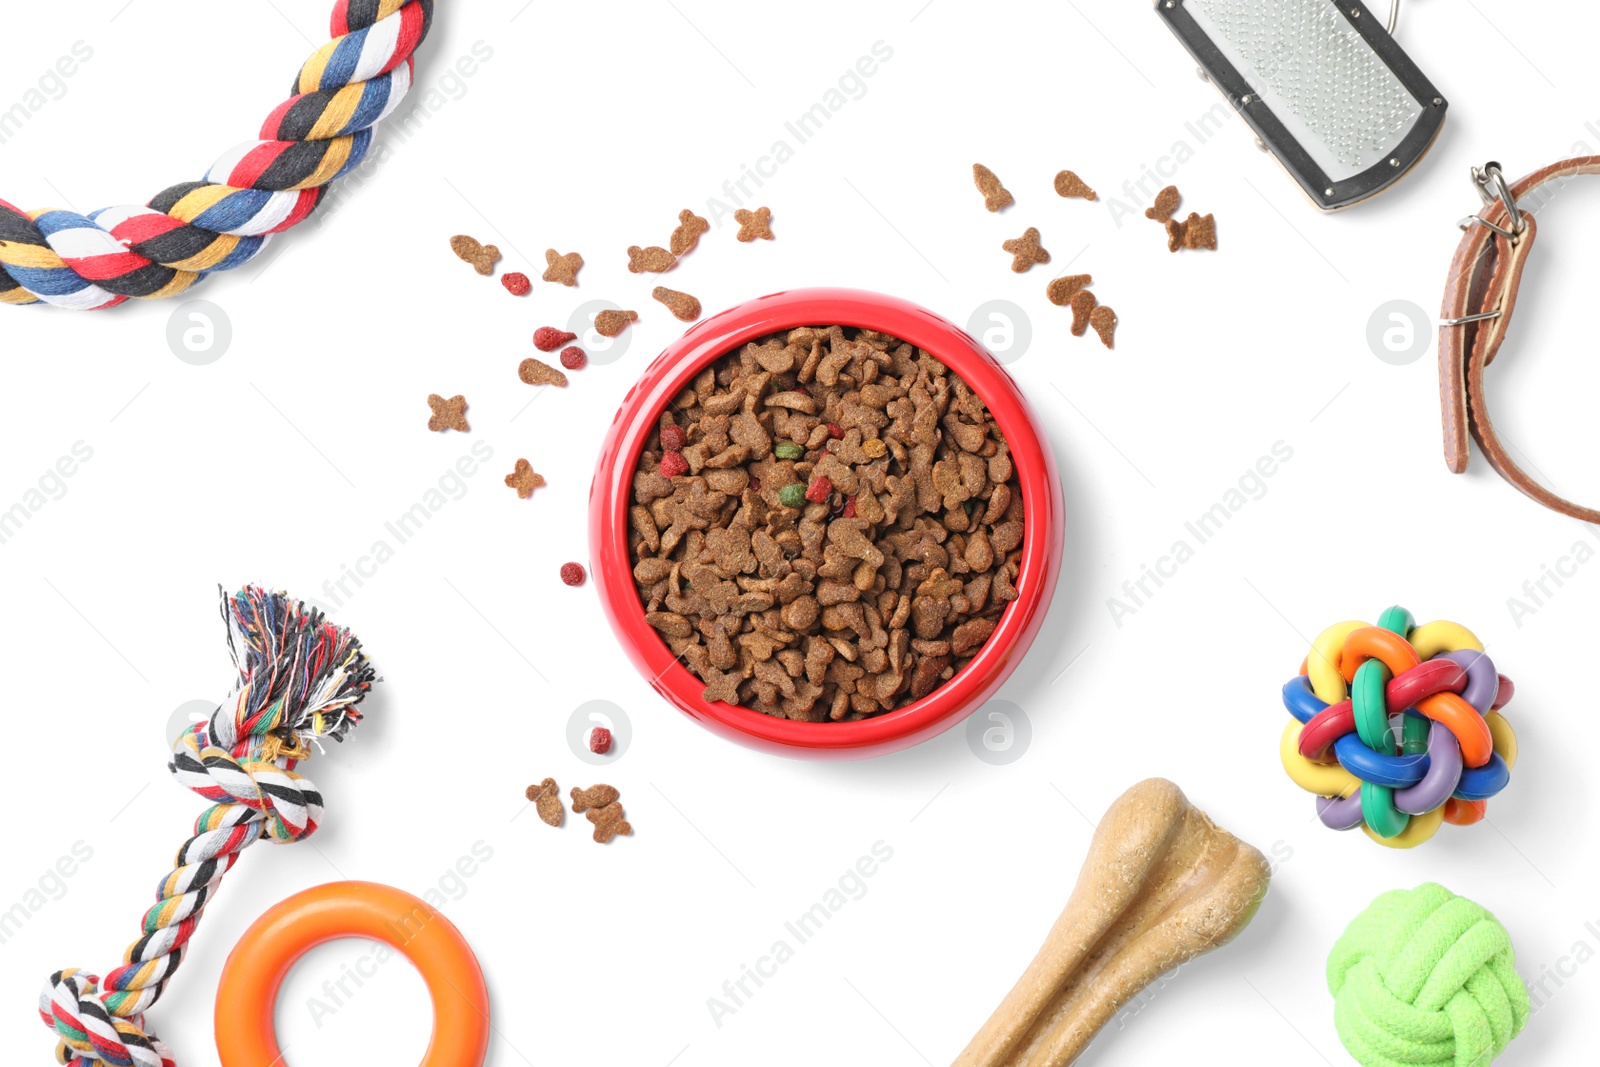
[(1104, 321), (516, 283), (654, 260), (1196, 231), (573, 574), (1166, 205), (562, 268), (611, 323), (1026, 250), (755, 224), (1070, 185), (600, 741), (548, 338), (482, 257), (684, 307), (538, 372), (602, 806), (1082, 303), (448, 414), (687, 235), (788, 450), (546, 800), (1060, 290), (995, 195), (524, 479), (574, 358)]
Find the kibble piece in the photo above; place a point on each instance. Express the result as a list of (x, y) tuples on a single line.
[(482, 257), (995, 195), (548, 338), (1166, 205), (608, 823), (1196, 231), (562, 268), (516, 283), (1070, 185), (611, 323), (684, 307), (524, 479), (755, 224), (538, 372), (574, 358), (1082, 304), (1104, 321), (1026, 250), (572, 574), (687, 235), (655, 259), (546, 799), (600, 741), (448, 414), (1060, 290), (596, 796)]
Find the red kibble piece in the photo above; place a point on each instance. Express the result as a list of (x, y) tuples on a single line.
[(516, 283), (548, 338), (600, 740), (673, 438), (819, 489), (835, 431), (573, 573), (755, 484), (673, 464), (574, 358), (849, 508)]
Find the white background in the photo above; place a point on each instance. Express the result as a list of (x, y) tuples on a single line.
[(588, 129)]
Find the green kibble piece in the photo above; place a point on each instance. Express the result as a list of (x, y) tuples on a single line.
[(792, 496), (788, 450)]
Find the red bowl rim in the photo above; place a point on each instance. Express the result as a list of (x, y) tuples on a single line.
[(671, 372)]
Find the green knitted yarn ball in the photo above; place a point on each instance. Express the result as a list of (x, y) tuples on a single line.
[(1425, 977)]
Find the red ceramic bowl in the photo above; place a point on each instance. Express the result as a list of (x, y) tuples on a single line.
[(610, 498)]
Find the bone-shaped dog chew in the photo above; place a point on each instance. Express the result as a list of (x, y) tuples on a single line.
[(1161, 885)]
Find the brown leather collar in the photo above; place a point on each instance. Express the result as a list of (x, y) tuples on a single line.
[(1479, 298)]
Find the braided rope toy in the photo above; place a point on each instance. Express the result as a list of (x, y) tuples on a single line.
[(1425, 977), (300, 681), (1396, 727), (261, 188)]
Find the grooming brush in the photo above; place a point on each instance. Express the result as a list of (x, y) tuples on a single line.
[(1323, 84)]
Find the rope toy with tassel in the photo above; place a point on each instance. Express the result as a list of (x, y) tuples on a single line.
[(301, 679), (261, 188)]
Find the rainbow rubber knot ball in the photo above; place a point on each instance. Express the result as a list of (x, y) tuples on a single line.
[(1396, 727), (1423, 976)]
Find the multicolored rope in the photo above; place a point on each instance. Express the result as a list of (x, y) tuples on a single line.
[(261, 188), (300, 681), (1396, 727)]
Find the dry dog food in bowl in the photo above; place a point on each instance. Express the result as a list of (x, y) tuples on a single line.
[(844, 530), (825, 523)]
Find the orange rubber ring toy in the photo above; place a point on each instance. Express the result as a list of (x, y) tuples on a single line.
[(248, 991)]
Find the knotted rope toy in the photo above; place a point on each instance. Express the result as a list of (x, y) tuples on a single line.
[(1396, 727), (261, 188), (1425, 977), (300, 681)]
